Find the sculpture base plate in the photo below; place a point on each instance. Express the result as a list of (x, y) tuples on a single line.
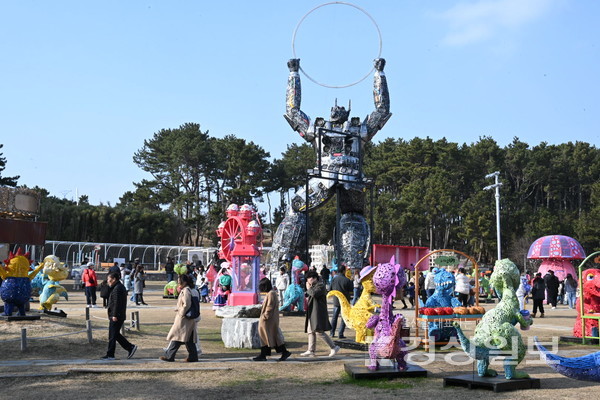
[(351, 344), (360, 371), (56, 313), (497, 384), (20, 317)]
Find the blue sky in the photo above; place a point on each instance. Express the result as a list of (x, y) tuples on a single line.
[(84, 83)]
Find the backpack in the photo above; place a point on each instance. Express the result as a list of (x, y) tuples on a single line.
[(194, 311)]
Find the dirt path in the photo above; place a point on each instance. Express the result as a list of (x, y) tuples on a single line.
[(66, 361)]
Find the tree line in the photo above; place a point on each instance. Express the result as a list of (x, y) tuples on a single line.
[(426, 192)]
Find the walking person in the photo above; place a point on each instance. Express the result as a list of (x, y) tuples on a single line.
[(538, 293), (357, 286), (429, 283), (317, 318), (170, 269), (281, 283), (571, 291), (552, 284), (90, 281), (185, 326), (139, 278), (344, 285), (463, 287), (117, 310), (268, 324)]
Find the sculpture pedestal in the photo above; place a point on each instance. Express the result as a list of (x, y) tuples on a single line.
[(240, 333), (497, 384), (360, 371), (351, 344)]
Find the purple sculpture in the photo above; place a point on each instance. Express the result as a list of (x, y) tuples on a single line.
[(387, 343)]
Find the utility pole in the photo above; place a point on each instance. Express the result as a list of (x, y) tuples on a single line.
[(496, 186)]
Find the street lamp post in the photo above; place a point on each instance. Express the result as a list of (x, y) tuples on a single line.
[(496, 186)]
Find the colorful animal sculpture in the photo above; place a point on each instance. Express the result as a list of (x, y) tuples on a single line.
[(294, 295), (585, 368), (52, 290), (171, 289), (356, 316), (496, 332), (17, 276), (442, 297), (387, 341), (591, 303)]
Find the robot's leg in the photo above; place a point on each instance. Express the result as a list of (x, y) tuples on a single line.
[(355, 236), (290, 237)]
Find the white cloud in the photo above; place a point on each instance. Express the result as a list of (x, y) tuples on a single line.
[(476, 21)]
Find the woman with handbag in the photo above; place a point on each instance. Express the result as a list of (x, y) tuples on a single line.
[(185, 326)]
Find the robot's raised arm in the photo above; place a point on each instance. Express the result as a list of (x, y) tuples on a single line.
[(297, 119), (381, 97)]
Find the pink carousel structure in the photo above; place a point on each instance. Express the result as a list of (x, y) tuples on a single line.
[(239, 236), (557, 251)]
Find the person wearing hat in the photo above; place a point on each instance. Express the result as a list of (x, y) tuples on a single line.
[(91, 282)]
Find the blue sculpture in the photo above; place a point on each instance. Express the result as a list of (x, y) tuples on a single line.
[(586, 368)]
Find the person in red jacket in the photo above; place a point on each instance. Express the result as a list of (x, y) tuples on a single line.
[(91, 282)]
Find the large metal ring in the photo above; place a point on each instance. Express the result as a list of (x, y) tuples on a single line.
[(327, 4)]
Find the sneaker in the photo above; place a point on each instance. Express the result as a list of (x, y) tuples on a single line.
[(341, 337), (163, 358), (132, 351), (286, 354), (554, 308), (334, 351), (107, 358), (307, 353)]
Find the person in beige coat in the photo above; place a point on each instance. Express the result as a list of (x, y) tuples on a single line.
[(268, 324), (184, 329)]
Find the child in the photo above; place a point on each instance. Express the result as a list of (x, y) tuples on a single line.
[(104, 292), (221, 297), (203, 289)]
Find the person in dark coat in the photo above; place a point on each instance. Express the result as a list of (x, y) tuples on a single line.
[(538, 293), (317, 316), (268, 324), (117, 310), (552, 284), (344, 285), (170, 269)]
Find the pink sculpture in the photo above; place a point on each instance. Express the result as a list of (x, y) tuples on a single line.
[(556, 251)]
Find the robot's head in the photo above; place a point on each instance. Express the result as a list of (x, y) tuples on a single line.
[(339, 114)]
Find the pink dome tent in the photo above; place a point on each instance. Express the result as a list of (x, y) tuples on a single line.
[(557, 251)]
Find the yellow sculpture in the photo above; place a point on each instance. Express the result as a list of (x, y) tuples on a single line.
[(356, 316), (52, 288), (16, 287)]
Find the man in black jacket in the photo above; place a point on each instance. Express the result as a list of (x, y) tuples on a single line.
[(344, 285), (117, 309), (552, 284)]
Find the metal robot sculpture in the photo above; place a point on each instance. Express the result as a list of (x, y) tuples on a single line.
[(17, 276), (338, 144), (357, 316), (497, 332), (387, 342)]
